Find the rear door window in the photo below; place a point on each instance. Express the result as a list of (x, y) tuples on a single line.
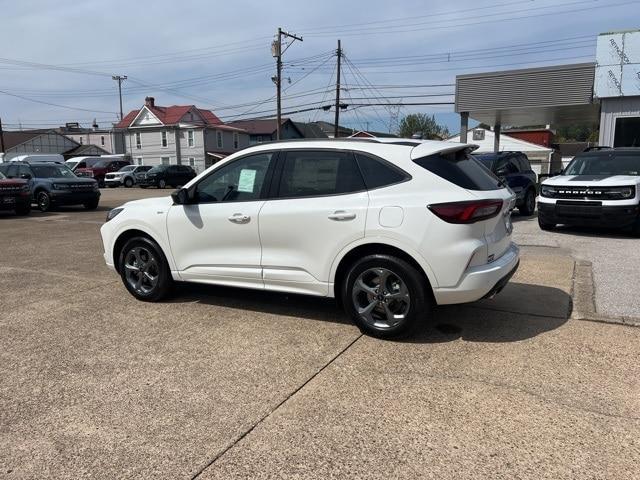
[(461, 169), (379, 173), (318, 173)]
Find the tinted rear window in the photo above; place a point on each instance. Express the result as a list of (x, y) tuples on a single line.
[(378, 173), (461, 169)]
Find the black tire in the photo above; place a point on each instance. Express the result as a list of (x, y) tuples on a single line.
[(405, 294), (128, 182), (162, 183), (545, 225), (43, 199), (92, 205), (23, 209), (528, 204), (153, 262)]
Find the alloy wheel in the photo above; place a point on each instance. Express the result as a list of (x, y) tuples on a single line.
[(381, 298), (141, 270), (44, 202)]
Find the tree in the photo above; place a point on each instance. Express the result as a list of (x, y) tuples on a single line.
[(421, 124), (577, 133)]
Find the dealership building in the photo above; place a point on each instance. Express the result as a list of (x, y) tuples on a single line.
[(605, 92)]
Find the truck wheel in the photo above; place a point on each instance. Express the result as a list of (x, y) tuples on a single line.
[(162, 183), (92, 205), (545, 225), (529, 204), (23, 209), (43, 199)]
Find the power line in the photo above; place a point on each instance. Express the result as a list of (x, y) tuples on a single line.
[(55, 104)]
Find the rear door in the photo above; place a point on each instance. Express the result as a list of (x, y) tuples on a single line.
[(320, 207)]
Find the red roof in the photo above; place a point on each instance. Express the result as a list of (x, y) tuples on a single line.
[(170, 115)]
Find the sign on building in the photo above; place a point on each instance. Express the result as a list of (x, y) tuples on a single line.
[(618, 65)]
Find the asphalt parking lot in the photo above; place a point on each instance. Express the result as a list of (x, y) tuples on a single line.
[(225, 383)]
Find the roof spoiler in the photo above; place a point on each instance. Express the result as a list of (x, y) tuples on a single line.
[(425, 149)]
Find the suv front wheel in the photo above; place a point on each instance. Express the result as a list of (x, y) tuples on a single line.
[(528, 204), (144, 270), (385, 296)]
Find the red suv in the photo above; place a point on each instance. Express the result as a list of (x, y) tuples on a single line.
[(98, 170), (15, 194)]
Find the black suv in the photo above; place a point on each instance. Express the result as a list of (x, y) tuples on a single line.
[(54, 184), (514, 168), (162, 175)]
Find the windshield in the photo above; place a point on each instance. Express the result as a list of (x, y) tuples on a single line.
[(605, 165), (128, 168), (71, 165), (159, 168), (52, 171)]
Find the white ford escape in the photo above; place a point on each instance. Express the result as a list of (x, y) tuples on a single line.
[(390, 228)]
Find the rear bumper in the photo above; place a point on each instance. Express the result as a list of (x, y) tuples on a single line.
[(481, 281), (588, 214)]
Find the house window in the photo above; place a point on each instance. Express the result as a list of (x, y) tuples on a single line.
[(165, 160), (219, 138), (259, 138), (138, 140), (192, 162), (236, 140), (139, 161), (190, 139), (102, 140), (164, 139)]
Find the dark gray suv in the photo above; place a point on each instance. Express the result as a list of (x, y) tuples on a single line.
[(54, 184)]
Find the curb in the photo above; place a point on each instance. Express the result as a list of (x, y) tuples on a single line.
[(584, 305)]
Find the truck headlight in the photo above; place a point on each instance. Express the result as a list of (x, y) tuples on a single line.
[(548, 191)]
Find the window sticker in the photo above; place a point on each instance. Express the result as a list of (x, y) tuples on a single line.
[(247, 180)]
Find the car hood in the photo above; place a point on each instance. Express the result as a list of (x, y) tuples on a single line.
[(151, 203), (593, 180)]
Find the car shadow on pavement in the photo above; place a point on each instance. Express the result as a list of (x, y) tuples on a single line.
[(259, 301), (522, 311)]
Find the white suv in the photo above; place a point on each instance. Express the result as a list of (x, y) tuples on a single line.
[(390, 228)]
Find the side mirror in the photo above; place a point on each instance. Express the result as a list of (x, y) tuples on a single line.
[(181, 197), (26, 176)]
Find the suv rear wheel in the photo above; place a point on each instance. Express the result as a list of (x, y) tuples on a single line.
[(128, 182), (144, 270), (385, 296)]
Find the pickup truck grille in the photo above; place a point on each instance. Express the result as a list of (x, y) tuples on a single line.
[(11, 189)]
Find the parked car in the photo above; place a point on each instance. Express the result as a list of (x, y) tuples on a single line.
[(15, 195), (126, 176), (388, 227), (82, 162), (38, 157), (99, 169), (162, 175), (514, 168), (53, 184), (598, 188)]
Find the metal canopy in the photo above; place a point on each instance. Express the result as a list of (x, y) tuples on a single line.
[(559, 95)]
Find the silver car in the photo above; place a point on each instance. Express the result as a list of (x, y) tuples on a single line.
[(126, 176)]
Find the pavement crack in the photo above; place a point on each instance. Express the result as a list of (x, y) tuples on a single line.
[(265, 417)]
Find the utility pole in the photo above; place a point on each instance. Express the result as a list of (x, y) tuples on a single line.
[(277, 52), (119, 79), (337, 118), (1, 137)]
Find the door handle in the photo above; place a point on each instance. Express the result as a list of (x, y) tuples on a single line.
[(341, 216), (239, 218)]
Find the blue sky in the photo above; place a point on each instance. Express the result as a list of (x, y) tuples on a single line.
[(217, 54)]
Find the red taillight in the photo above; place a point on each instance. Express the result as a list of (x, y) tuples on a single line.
[(467, 212)]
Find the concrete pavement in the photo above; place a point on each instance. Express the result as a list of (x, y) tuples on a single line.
[(227, 383)]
